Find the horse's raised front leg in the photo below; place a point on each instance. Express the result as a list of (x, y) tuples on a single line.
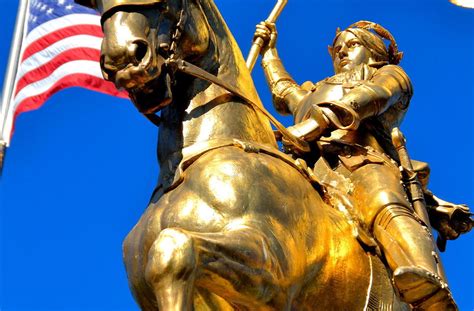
[(238, 265), (171, 270)]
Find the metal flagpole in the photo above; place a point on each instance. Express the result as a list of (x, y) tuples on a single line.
[(10, 75)]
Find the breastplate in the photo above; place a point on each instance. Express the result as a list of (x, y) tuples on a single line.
[(333, 89)]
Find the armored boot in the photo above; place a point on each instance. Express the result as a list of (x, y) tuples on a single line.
[(410, 253)]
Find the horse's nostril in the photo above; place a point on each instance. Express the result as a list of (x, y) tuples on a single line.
[(140, 50)]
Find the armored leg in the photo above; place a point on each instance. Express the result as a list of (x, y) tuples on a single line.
[(407, 245), (409, 250)]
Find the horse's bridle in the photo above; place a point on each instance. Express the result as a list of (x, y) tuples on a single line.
[(176, 64)]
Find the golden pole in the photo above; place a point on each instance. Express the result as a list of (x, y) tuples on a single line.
[(258, 43)]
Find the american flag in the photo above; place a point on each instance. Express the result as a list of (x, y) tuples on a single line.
[(60, 49)]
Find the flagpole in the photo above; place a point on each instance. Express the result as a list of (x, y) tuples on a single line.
[(10, 74)]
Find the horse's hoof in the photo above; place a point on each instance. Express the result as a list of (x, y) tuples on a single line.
[(423, 290)]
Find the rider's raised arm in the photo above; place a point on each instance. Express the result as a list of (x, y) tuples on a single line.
[(286, 93)]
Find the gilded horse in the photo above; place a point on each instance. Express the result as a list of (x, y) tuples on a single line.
[(233, 224)]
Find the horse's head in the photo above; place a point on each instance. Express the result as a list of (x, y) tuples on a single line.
[(139, 35)]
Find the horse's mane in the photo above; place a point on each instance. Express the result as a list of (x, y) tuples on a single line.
[(217, 23), (229, 51)]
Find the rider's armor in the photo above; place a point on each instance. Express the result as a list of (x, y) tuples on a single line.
[(365, 156)]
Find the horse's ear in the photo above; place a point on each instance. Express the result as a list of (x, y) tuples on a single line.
[(88, 3)]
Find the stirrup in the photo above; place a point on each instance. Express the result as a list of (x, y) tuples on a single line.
[(422, 289)]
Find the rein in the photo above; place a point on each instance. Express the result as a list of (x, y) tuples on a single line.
[(197, 72), (174, 64)]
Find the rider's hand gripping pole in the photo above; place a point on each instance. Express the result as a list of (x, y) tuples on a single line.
[(258, 42)]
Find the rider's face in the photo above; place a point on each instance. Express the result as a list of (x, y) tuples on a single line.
[(349, 52)]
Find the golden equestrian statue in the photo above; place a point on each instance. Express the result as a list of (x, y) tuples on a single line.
[(222, 231)]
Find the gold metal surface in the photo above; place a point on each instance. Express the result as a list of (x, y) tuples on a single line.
[(367, 79), (222, 231)]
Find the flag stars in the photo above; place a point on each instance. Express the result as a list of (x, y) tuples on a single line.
[(69, 7), (50, 11), (36, 5), (61, 2)]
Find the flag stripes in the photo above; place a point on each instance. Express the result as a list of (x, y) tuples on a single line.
[(94, 83), (60, 34), (46, 55), (59, 51), (43, 71)]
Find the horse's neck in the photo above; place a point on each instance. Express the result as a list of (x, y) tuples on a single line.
[(203, 112)]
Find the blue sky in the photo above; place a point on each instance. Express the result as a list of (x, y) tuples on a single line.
[(81, 169)]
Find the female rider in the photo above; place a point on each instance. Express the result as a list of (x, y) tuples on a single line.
[(376, 92)]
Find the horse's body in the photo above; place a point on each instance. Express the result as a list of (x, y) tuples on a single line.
[(232, 225)]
